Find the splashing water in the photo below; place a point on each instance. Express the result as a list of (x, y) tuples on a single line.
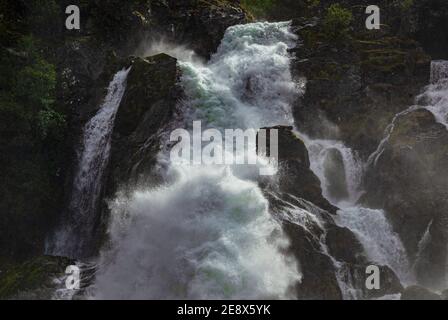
[(353, 169), (72, 239), (381, 244), (209, 234)]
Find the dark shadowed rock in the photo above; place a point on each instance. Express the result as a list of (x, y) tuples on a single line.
[(295, 175), (343, 245), (147, 107)]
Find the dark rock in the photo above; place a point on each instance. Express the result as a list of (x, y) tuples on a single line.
[(147, 108), (343, 245), (354, 91), (418, 293), (410, 180), (295, 176), (318, 272), (33, 279)]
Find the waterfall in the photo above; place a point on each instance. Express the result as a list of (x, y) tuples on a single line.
[(381, 244), (73, 237), (207, 233), (350, 166)]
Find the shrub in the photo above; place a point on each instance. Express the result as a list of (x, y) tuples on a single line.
[(337, 22), (51, 123)]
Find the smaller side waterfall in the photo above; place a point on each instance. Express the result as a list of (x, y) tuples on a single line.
[(73, 237), (381, 244)]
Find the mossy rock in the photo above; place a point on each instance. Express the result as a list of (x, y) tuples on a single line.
[(37, 273)]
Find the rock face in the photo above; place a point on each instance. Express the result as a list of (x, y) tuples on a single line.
[(413, 174), (355, 86), (148, 106), (314, 236)]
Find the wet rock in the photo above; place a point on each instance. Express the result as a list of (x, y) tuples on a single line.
[(147, 108), (318, 272), (314, 236), (410, 180), (419, 293), (344, 246), (295, 175)]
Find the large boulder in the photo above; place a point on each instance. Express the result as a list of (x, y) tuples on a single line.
[(146, 111)]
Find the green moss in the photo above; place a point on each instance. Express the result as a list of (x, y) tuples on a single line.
[(31, 275), (258, 8)]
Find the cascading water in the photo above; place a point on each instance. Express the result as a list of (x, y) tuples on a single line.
[(381, 244), (208, 233), (73, 236)]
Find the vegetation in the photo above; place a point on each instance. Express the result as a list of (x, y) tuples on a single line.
[(33, 126), (337, 22), (258, 8)]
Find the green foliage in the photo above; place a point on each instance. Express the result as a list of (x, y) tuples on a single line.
[(51, 123), (258, 8), (406, 4), (337, 22), (313, 3), (35, 84)]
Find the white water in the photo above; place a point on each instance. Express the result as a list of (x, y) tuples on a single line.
[(381, 244), (209, 234), (72, 238), (318, 152), (435, 97)]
